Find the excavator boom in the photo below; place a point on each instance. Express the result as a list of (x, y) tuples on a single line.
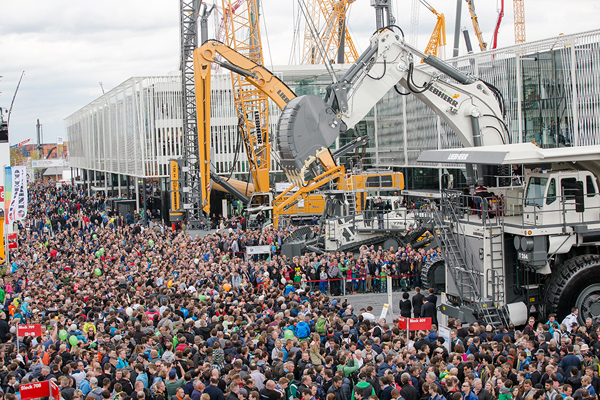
[(309, 125), (256, 75)]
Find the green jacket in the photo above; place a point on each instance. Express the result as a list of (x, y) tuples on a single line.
[(363, 385), (343, 269), (348, 370)]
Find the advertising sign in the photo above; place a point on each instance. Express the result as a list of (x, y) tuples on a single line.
[(29, 330), (35, 390), (419, 324)]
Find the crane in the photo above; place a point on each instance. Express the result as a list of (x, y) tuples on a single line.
[(242, 33), (498, 21), (476, 28), (438, 36), (334, 35), (519, 12), (310, 51)]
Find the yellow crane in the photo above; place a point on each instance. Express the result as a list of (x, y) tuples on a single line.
[(333, 34), (438, 36), (309, 51), (476, 28), (519, 13), (242, 34)]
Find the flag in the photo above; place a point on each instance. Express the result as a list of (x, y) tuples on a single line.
[(15, 194)]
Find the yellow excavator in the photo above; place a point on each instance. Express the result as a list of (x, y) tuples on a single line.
[(351, 189)]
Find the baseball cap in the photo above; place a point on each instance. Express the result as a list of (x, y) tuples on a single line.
[(172, 374), (540, 351)]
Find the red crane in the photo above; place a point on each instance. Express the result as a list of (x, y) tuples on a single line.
[(500, 16)]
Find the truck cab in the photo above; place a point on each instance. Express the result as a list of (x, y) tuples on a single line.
[(561, 197)]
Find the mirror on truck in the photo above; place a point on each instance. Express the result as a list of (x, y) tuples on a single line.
[(579, 205)]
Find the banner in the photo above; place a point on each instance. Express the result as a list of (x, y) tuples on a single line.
[(419, 324), (402, 323), (29, 330), (251, 250), (15, 194), (34, 390)]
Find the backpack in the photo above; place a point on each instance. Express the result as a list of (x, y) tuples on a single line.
[(320, 327), (263, 368), (97, 393), (277, 369), (293, 389)]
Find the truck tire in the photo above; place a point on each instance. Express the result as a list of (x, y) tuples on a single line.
[(430, 276), (391, 242), (575, 283)]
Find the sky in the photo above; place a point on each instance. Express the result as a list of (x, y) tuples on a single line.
[(68, 47)]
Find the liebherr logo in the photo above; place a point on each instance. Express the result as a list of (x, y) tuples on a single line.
[(283, 96), (458, 156), (439, 93)]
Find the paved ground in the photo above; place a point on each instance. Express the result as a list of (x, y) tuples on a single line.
[(201, 233), (377, 300)]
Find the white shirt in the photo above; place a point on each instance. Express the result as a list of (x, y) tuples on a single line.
[(368, 316), (569, 321)]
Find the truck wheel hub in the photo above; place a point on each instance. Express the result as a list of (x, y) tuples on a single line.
[(588, 302)]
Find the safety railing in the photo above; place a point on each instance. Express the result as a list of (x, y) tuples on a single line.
[(524, 212)]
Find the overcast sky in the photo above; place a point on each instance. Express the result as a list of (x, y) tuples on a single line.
[(67, 47)]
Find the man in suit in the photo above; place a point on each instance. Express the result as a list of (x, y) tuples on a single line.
[(432, 297), (417, 302), (386, 387), (429, 311), (405, 305)]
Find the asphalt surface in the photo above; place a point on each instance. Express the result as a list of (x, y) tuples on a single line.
[(377, 300)]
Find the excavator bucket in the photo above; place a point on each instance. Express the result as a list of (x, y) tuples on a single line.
[(306, 128)]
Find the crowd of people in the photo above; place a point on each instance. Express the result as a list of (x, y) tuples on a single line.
[(131, 312)]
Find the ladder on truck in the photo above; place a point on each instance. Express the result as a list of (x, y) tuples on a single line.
[(495, 278), (467, 279), (350, 194)]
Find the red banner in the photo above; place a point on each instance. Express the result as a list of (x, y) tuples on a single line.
[(29, 330), (54, 391), (419, 324), (402, 323), (12, 236), (35, 390)]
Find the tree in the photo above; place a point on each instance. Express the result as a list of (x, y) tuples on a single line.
[(16, 157)]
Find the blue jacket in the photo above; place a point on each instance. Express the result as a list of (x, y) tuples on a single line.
[(302, 330)]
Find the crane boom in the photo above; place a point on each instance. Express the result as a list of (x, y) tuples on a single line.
[(498, 22), (476, 28), (334, 35), (519, 12), (310, 50), (438, 36), (243, 35)]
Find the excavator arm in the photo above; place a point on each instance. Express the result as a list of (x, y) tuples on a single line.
[(255, 74), (309, 125)]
